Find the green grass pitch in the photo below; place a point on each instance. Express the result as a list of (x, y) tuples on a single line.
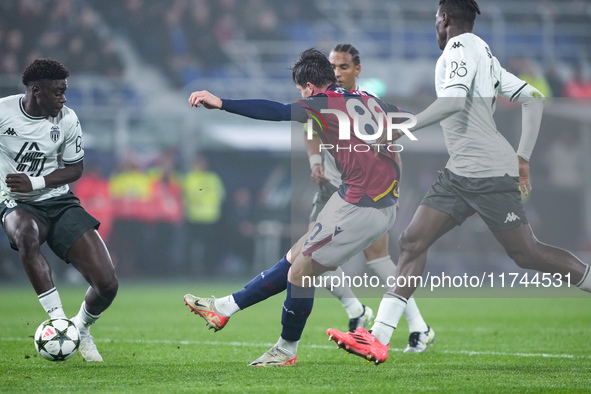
[(151, 343)]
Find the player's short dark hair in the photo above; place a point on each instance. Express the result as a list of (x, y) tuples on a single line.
[(313, 66), (460, 10), (44, 69), (351, 50)]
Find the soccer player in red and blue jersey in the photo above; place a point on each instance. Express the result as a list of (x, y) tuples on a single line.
[(361, 212)]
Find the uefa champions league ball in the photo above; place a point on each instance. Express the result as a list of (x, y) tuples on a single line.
[(57, 339)]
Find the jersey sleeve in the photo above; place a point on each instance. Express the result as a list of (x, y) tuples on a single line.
[(509, 85), (460, 68), (266, 109), (73, 145)]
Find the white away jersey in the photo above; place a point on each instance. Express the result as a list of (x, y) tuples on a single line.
[(36, 146), (475, 147)]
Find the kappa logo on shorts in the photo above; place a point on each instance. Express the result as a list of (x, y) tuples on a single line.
[(337, 230), (511, 217)]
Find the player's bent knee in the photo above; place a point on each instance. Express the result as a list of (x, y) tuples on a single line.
[(27, 243), (411, 244), (525, 259)]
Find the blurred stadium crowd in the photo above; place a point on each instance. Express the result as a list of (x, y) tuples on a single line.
[(181, 200)]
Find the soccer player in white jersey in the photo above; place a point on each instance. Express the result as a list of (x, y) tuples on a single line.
[(484, 174), (346, 62), (41, 152)]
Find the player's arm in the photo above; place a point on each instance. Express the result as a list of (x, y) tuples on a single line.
[(532, 107), (459, 68), (251, 108), (23, 183), (453, 101), (72, 158), (315, 158)]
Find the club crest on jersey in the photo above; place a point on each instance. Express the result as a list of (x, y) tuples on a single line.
[(54, 134), (10, 203)]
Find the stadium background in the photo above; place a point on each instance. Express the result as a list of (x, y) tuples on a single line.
[(135, 62)]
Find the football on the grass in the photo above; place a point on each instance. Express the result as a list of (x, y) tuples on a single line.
[(57, 339)]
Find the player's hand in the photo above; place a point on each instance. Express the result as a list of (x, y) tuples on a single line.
[(524, 184), (318, 175), (203, 97), (19, 183)]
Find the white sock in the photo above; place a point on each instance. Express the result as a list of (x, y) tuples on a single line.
[(413, 317), (83, 320), (585, 283), (383, 268), (51, 302), (344, 294), (391, 309), (226, 306), (288, 347)]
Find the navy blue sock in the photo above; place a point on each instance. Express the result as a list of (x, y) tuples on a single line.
[(296, 309), (264, 285)]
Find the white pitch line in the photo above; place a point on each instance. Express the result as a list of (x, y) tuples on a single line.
[(269, 344)]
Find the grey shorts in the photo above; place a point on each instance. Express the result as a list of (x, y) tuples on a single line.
[(343, 229), (496, 199), (320, 199), (63, 216)]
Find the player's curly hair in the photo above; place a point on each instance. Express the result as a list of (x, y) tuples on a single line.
[(460, 10), (44, 69), (313, 66), (351, 50)]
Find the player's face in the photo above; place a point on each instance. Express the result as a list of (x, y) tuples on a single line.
[(50, 96), (344, 69), (440, 29)]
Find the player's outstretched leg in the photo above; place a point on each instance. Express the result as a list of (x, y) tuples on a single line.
[(421, 335), (90, 257), (359, 315), (418, 341), (296, 309), (205, 307), (363, 320), (217, 311), (83, 320), (361, 343), (524, 248), (277, 356)]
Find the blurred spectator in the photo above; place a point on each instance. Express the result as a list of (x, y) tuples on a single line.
[(63, 29), (565, 173), (130, 189), (94, 193), (530, 72), (579, 85), (109, 62), (199, 26), (203, 194), (165, 235), (555, 81), (240, 227)]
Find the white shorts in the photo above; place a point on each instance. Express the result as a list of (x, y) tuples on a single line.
[(343, 229)]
